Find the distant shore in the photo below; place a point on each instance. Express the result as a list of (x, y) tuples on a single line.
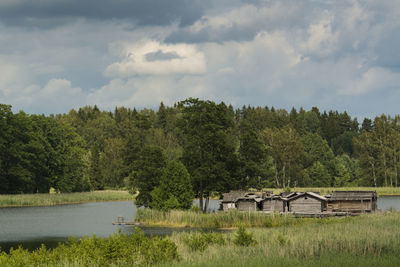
[(30, 200)]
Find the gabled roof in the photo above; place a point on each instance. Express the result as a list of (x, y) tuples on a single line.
[(354, 195), (310, 194), (256, 199), (232, 196), (274, 197)]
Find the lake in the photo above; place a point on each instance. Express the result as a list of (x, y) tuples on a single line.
[(32, 226)]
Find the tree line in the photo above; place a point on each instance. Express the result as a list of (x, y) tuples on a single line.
[(220, 148)]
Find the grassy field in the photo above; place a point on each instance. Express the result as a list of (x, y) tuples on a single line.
[(63, 198), (231, 219), (368, 240), (382, 191)]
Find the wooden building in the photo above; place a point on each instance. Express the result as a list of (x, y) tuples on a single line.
[(229, 200), (307, 202), (250, 202), (273, 204), (353, 201)]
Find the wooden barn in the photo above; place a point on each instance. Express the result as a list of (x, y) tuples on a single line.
[(273, 204), (353, 201), (307, 202), (250, 202), (229, 200)]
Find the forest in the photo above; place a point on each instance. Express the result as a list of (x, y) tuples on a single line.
[(196, 147)]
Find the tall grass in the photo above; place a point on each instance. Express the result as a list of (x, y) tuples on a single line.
[(368, 240), (232, 218), (63, 198), (382, 191), (116, 250)]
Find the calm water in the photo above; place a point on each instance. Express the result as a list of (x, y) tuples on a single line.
[(31, 226)]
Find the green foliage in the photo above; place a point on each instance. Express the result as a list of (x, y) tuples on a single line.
[(175, 189), (116, 250), (208, 151), (244, 238), (318, 175), (222, 149), (200, 241), (147, 175)]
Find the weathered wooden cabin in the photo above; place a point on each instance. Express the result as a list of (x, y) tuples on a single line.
[(273, 203), (229, 200), (307, 202), (353, 201), (250, 202)]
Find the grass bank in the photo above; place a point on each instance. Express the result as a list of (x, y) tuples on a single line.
[(231, 219), (63, 198), (368, 240), (382, 191)]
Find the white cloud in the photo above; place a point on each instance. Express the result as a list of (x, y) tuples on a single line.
[(58, 96), (188, 61), (373, 79), (321, 39)]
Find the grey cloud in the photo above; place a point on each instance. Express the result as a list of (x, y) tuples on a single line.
[(161, 56), (144, 12)]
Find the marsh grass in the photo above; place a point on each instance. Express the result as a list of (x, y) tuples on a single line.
[(382, 191), (230, 219), (368, 240), (62, 198)]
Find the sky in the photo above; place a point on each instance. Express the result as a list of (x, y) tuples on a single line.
[(56, 55)]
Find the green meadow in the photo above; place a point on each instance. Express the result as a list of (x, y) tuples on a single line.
[(22, 200), (367, 240)]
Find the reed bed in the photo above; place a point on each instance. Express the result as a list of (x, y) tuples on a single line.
[(230, 219), (63, 198), (382, 191), (368, 240)]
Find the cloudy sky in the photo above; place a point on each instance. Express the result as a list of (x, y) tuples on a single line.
[(61, 54)]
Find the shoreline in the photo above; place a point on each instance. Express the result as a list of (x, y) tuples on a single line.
[(66, 203), (47, 200)]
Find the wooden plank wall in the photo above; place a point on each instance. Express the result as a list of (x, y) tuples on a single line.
[(273, 205), (352, 206), (247, 205), (308, 205)]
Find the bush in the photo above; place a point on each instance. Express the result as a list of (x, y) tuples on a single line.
[(243, 238), (116, 250), (200, 241)]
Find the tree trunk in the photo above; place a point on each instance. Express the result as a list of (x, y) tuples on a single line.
[(373, 172), (284, 175), (384, 169), (201, 196), (395, 168), (206, 206), (276, 175)]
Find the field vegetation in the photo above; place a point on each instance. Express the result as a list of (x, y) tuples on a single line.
[(231, 219), (63, 198), (367, 240)]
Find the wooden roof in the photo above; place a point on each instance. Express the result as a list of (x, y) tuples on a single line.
[(249, 198), (310, 194), (274, 197), (233, 196), (354, 195)]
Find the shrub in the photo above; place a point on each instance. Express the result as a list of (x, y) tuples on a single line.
[(200, 241), (243, 238)]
